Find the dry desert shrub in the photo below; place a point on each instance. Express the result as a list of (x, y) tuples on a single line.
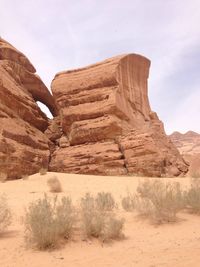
[(5, 214), (25, 177), (97, 221), (47, 221), (105, 201), (92, 219), (159, 201), (113, 228), (195, 174), (3, 177), (192, 196), (54, 185), (128, 202), (43, 171)]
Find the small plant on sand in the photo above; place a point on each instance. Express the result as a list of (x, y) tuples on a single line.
[(195, 174), (105, 201), (3, 177), (192, 196), (47, 221), (25, 177), (159, 201), (128, 202), (97, 222), (5, 214), (43, 171), (113, 228), (54, 185)]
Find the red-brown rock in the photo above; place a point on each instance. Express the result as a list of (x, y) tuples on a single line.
[(24, 148), (107, 123), (189, 146)]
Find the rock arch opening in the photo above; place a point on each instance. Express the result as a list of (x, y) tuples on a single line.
[(45, 109)]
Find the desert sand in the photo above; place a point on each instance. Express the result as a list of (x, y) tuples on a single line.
[(145, 244)]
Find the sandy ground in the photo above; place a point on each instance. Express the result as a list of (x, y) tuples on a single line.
[(145, 244)]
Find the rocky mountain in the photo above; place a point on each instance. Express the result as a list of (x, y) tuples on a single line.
[(103, 123)]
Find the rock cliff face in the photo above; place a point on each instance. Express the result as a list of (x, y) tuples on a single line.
[(24, 148), (189, 146), (107, 124), (103, 123)]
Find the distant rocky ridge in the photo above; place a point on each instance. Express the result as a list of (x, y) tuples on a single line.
[(188, 143), (189, 146), (102, 124)]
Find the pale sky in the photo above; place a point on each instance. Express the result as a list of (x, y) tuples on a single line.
[(65, 34)]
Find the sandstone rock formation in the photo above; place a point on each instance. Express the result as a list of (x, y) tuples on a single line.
[(103, 123), (188, 143), (189, 146), (24, 148), (107, 123)]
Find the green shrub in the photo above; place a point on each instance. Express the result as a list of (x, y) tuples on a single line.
[(5, 214), (159, 200), (48, 220)]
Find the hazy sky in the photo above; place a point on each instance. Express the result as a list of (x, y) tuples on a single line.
[(66, 34)]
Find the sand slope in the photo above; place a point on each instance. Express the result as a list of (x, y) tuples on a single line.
[(145, 244)]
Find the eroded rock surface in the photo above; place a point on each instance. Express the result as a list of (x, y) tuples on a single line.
[(189, 146), (188, 143), (24, 148), (107, 123), (103, 123)]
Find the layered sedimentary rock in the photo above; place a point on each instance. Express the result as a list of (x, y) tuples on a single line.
[(103, 123), (188, 143), (189, 146), (107, 123), (24, 148)]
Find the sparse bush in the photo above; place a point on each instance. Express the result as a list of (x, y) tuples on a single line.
[(48, 220), (195, 174), (96, 221), (92, 219), (113, 228), (25, 177), (5, 214), (145, 207), (3, 177), (65, 217), (43, 171), (128, 202), (192, 197), (159, 200), (105, 201), (54, 185)]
